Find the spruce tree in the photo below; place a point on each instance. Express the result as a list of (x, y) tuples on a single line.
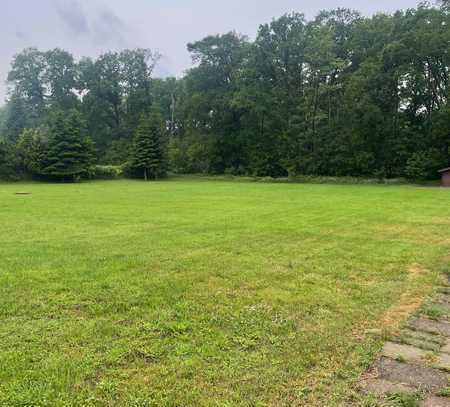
[(31, 150), (69, 153), (148, 154)]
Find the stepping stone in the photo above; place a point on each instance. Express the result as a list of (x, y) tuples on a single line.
[(423, 336), (404, 352), (435, 402), (419, 377), (419, 343), (427, 325), (380, 387)]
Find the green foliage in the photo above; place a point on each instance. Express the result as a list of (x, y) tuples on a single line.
[(3, 116), (105, 172), (69, 153), (117, 89), (148, 156), (118, 152), (403, 400), (16, 118), (340, 95), (31, 149), (423, 165), (8, 163), (190, 154)]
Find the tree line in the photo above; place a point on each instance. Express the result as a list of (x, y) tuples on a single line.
[(338, 95)]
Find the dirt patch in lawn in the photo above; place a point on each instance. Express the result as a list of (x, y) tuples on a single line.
[(410, 300)]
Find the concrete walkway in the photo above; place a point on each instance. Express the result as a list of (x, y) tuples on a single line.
[(417, 361)]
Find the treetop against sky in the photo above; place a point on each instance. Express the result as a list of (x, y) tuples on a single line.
[(91, 27)]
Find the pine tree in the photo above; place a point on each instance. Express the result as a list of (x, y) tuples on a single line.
[(148, 153), (31, 149), (69, 154)]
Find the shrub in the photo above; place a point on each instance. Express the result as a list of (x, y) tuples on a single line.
[(423, 165), (8, 163), (117, 153), (106, 172), (190, 154)]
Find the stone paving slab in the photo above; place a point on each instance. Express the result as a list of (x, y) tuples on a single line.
[(417, 360), (380, 387), (419, 377), (428, 325), (423, 336), (404, 352), (435, 402), (419, 343)]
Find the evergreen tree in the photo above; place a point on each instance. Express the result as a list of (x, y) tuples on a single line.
[(69, 153), (148, 154), (31, 150), (339, 95)]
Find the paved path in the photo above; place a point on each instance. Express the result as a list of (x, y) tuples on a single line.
[(417, 361)]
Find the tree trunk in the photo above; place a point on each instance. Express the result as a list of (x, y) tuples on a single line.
[(145, 174)]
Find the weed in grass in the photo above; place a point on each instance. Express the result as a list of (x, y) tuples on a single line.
[(403, 400), (433, 311), (445, 392)]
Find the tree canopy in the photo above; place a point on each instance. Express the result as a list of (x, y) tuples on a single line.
[(148, 158), (338, 95)]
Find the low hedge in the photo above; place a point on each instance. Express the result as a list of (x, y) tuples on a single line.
[(106, 172)]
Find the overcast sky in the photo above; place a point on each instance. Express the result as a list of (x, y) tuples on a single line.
[(89, 27)]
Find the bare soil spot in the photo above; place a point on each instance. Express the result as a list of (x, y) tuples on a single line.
[(409, 302)]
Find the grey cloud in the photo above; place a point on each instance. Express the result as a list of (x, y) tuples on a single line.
[(108, 28), (90, 27), (72, 14)]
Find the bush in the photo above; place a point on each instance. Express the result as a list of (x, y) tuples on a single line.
[(423, 165), (9, 163), (106, 172), (190, 154), (117, 153)]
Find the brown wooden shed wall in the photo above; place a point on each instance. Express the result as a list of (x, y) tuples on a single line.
[(446, 179)]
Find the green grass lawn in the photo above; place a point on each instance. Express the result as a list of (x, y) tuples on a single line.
[(202, 293)]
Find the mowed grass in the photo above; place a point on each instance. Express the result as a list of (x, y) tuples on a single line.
[(202, 293)]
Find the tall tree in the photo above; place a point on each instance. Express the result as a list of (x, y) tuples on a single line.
[(27, 78), (60, 78), (69, 151), (338, 95), (213, 84), (149, 147), (116, 90)]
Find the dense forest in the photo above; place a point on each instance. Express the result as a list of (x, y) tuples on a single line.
[(340, 95)]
